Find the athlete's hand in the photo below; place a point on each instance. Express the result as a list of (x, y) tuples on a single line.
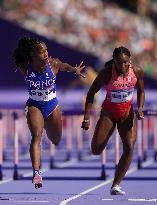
[(140, 114), (79, 69), (85, 124)]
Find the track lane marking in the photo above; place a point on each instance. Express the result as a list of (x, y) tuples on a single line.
[(134, 169)]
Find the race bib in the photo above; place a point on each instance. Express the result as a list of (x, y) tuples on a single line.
[(42, 95), (118, 96)]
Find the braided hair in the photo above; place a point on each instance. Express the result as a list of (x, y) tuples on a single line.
[(121, 50), (22, 55)]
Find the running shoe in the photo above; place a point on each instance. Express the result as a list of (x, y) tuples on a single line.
[(37, 179), (116, 190)]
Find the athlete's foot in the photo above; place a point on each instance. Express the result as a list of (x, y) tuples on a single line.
[(116, 190), (37, 179)]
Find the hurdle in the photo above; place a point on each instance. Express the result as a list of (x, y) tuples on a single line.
[(1, 145), (16, 146), (71, 117), (145, 139), (103, 165), (155, 137), (153, 115), (139, 144)]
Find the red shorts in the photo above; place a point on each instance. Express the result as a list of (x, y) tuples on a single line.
[(117, 111)]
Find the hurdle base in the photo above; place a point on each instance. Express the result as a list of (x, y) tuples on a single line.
[(145, 156), (103, 172), (15, 174), (139, 163), (68, 156), (103, 175), (1, 175), (155, 156), (79, 156), (51, 163)]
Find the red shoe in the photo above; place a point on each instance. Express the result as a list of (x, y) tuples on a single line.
[(37, 180)]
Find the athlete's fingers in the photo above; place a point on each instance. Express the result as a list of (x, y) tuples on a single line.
[(81, 63), (141, 117), (84, 128), (82, 75), (79, 73), (85, 125), (81, 67)]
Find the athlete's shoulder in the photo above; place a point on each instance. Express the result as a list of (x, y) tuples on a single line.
[(138, 71), (54, 60), (55, 63)]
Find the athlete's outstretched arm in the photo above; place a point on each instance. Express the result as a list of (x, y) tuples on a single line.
[(140, 91), (56, 63), (100, 80)]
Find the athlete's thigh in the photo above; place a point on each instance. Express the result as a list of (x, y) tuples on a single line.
[(127, 129), (53, 124), (103, 130), (35, 120)]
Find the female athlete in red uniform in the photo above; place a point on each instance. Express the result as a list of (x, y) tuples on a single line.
[(119, 77), (42, 109)]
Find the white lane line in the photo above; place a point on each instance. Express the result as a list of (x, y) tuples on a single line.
[(143, 200), (66, 164), (134, 169), (134, 200), (24, 175), (64, 202), (6, 181), (30, 201)]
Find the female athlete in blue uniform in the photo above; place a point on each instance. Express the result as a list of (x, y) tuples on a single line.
[(42, 109)]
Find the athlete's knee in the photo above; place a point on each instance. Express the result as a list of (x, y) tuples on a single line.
[(36, 138), (36, 141)]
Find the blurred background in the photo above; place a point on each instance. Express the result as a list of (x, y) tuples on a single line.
[(76, 30)]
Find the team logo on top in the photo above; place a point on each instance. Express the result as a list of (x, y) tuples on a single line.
[(32, 75), (129, 78), (47, 75)]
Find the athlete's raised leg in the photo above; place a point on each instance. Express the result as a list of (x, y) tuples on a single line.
[(53, 126), (103, 130)]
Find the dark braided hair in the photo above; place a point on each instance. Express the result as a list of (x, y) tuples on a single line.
[(22, 55), (121, 50)]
